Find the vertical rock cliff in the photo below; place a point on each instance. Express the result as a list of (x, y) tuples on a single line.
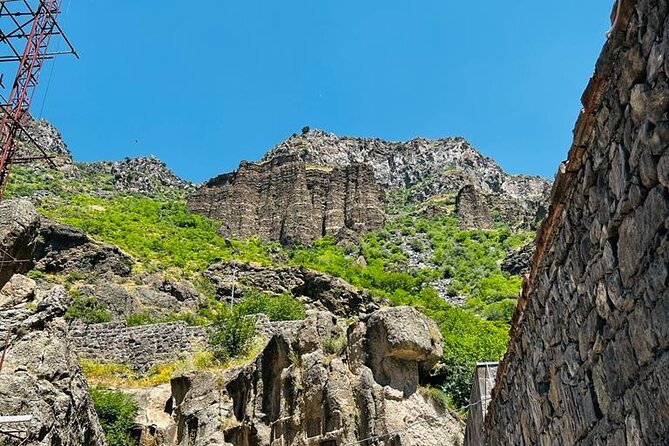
[(588, 362), (290, 201)]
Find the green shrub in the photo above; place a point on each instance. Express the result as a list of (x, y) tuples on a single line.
[(233, 334), (334, 345), (87, 309), (36, 274), (116, 412), (141, 318), (282, 307), (500, 311)]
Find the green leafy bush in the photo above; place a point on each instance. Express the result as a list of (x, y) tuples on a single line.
[(233, 334), (116, 412), (88, 310), (282, 307)]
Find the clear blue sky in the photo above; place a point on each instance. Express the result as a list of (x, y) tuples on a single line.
[(203, 85)]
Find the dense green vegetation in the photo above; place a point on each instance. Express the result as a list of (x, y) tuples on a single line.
[(160, 235), (86, 309), (116, 412), (234, 328)]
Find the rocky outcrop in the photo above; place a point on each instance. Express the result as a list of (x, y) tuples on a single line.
[(588, 361), (472, 210), (63, 249), (518, 262), (315, 382), (428, 168), (290, 201), (19, 224), (316, 290), (146, 176), (49, 139), (41, 375)]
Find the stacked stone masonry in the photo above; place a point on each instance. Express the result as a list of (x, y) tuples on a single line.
[(139, 347), (588, 362)]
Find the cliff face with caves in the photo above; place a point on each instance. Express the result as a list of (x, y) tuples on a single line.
[(588, 362)]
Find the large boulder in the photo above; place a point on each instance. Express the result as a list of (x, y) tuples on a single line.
[(314, 383), (401, 343), (41, 375), (19, 224), (64, 249)]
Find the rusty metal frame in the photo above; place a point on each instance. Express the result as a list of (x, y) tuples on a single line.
[(26, 29)]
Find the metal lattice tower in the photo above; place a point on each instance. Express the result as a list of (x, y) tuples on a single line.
[(26, 29)]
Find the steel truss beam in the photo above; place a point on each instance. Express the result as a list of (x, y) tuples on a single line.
[(26, 28)]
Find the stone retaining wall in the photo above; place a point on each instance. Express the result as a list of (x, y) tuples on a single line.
[(139, 347), (588, 362)]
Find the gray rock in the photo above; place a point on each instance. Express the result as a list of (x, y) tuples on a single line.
[(19, 223), (290, 201), (41, 375), (63, 249)]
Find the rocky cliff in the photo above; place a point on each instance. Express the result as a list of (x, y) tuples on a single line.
[(19, 224), (288, 200), (427, 168), (41, 375), (318, 382), (588, 362)]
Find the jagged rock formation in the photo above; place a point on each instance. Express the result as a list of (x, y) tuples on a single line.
[(143, 175), (49, 139), (518, 262), (41, 375), (428, 168), (288, 200), (588, 362), (317, 291), (301, 390), (63, 249), (472, 210), (19, 223)]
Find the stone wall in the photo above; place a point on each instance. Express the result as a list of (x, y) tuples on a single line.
[(139, 347), (288, 201), (588, 362)]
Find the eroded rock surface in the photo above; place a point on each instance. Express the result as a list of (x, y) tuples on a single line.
[(316, 382), (41, 375), (19, 224), (288, 200), (63, 249)]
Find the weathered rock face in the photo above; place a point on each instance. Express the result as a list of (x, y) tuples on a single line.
[(49, 139), (316, 290), (428, 168), (41, 375), (589, 358), (143, 175), (19, 223), (518, 262), (62, 249), (303, 391), (290, 201), (472, 210)]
